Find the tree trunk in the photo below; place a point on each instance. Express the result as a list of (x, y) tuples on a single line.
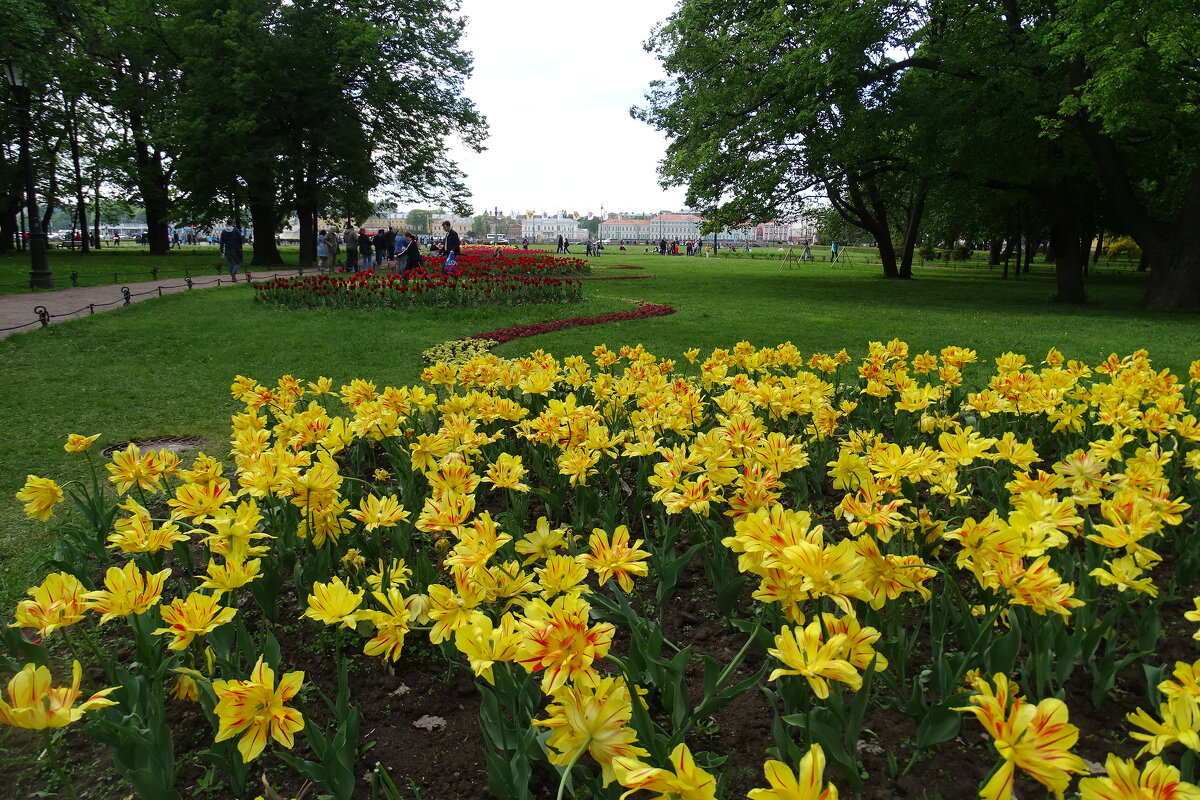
[(10, 205), (8, 232), (307, 213), (887, 252), (1175, 273), (1172, 246), (912, 229), (870, 217), (994, 251), (262, 219), (882, 231), (1031, 248), (152, 183), (80, 204), (96, 218), (260, 190), (51, 197), (1071, 252), (1010, 243)]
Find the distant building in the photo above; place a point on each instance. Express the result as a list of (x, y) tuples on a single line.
[(461, 224), (548, 229), (672, 227), (375, 223), (773, 231), (676, 227), (637, 230)]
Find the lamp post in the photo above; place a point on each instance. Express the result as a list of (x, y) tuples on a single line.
[(39, 271)]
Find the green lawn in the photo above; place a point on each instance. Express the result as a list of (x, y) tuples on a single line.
[(130, 262), (164, 366)]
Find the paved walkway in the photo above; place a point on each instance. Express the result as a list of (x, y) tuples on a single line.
[(30, 311)]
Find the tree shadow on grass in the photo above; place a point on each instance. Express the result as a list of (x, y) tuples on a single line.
[(961, 292)]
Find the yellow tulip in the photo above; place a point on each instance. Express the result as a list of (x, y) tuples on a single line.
[(40, 496), (33, 703), (255, 709)]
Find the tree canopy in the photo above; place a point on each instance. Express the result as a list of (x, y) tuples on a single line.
[(1003, 120), (254, 110)]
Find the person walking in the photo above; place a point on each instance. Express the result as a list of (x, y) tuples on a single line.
[(332, 243), (525, 243), (413, 254), (389, 244), (324, 259), (379, 241), (807, 252), (365, 250), (833, 252), (350, 242), (558, 250), (231, 245), (452, 247), (400, 252)]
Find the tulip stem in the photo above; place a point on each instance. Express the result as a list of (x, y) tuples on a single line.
[(562, 783), (56, 765), (87, 678)]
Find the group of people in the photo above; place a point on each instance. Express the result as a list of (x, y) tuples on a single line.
[(364, 251), (367, 251), (181, 237), (689, 248)]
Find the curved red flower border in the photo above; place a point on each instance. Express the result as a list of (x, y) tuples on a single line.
[(644, 311)]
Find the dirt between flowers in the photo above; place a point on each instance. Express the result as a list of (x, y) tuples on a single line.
[(420, 719)]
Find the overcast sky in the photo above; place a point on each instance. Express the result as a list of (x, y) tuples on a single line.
[(555, 80)]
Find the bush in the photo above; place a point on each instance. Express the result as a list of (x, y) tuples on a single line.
[(1123, 247)]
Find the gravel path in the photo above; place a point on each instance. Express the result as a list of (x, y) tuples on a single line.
[(21, 312)]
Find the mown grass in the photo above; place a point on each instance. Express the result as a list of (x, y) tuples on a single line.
[(164, 366)]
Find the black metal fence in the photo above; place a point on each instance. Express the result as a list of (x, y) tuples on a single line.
[(44, 317)]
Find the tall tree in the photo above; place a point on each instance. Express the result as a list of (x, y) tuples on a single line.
[(311, 105), (770, 104), (1079, 111), (1135, 101)]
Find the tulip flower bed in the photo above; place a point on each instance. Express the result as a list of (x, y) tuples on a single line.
[(644, 311), (481, 278), (514, 261), (781, 577)]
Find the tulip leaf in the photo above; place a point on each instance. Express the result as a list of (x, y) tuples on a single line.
[(941, 724)]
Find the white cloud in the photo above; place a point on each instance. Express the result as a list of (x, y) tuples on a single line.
[(555, 80)]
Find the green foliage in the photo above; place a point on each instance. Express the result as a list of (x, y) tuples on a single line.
[(457, 351), (138, 733), (998, 120), (335, 748), (418, 220)]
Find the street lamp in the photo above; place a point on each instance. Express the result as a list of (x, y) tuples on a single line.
[(39, 272)]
